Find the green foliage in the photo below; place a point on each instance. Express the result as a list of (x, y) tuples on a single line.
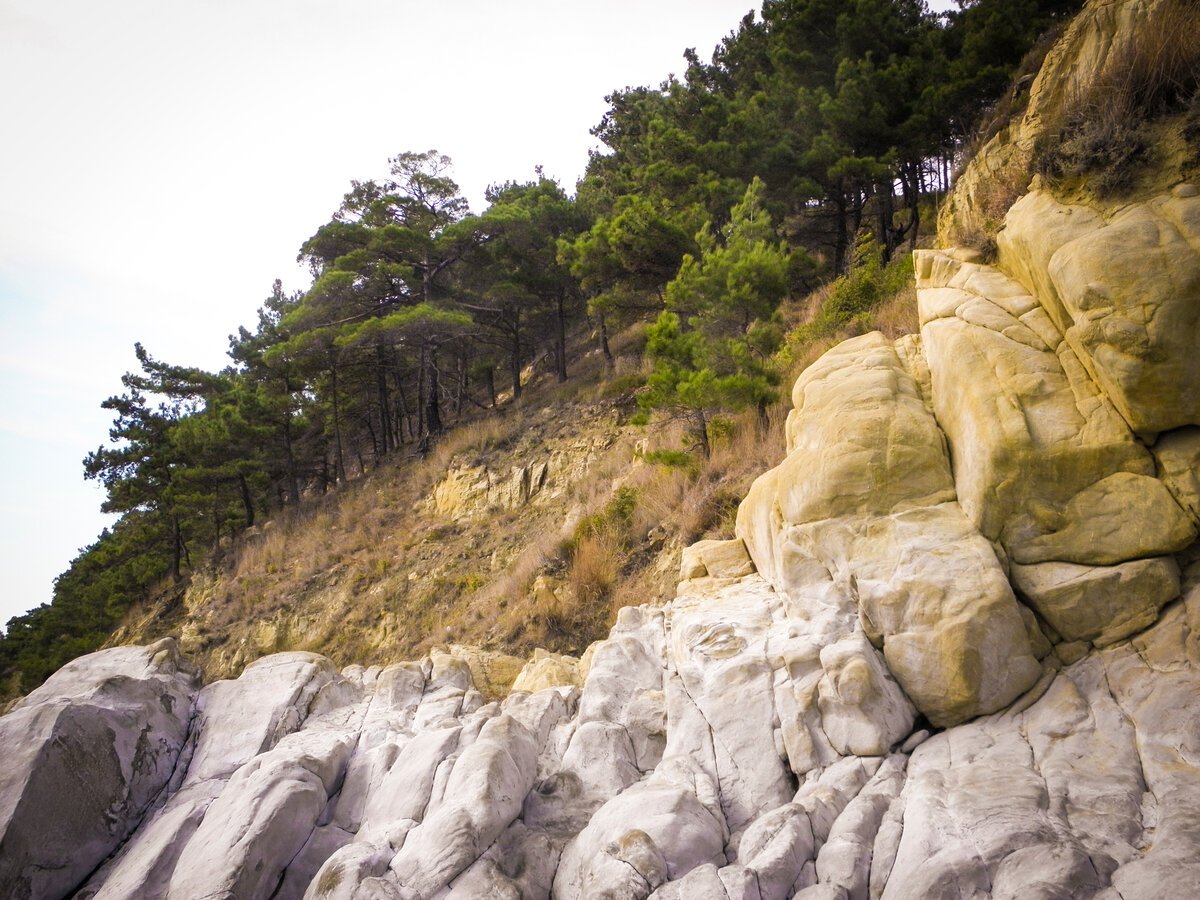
[(622, 385), (615, 518), (717, 358), (624, 261), (867, 286), (671, 459)]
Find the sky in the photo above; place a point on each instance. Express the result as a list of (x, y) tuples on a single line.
[(163, 160)]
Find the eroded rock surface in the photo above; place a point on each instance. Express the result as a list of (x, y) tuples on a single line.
[(392, 784), (84, 756), (953, 651), (1122, 288), (860, 528)]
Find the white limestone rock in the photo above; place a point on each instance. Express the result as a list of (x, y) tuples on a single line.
[(84, 756), (262, 818), (240, 718), (656, 831), (482, 796)]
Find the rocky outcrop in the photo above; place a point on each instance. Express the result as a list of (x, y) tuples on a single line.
[(85, 755), (1000, 171), (1120, 287), (953, 651), (470, 489), (860, 527), (704, 758)]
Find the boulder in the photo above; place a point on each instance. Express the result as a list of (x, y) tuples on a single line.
[(482, 796), (262, 819), (858, 527), (1100, 604), (1125, 287), (85, 755), (1177, 455), (717, 559), (547, 670), (1043, 464)]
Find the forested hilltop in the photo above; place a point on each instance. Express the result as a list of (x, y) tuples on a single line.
[(810, 148)]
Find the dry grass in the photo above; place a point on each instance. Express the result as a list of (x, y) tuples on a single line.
[(897, 316), (700, 500), (1103, 140), (595, 567), (476, 438)]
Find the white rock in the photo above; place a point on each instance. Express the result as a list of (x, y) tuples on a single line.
[(84, 756), (483, 795)]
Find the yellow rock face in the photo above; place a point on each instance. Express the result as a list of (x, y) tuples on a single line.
[(1125, 293), (1000, 171), (1101, 604), (715, 559), (548, 670), (858, 525), (1043, 464)]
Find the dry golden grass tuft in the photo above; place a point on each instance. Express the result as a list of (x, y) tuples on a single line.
[(897, 316), (1105, 139)]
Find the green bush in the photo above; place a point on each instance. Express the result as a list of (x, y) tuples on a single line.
[(854, 296), (671, 459)]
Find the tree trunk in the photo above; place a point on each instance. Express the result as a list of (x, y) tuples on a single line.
[(433, 413), (886, 212), (608, 357), (427, 272), (839, 247), (422, 390), (385, 414), (700, 430), (403, 416), (290, 459), (912, 185), (514, 358), (560, 341), (464, 371), (247, 502), (339, 456)]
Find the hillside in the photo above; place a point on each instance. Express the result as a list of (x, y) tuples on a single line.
[(529, 527), (810, 150), (944, 643), (525, 528)]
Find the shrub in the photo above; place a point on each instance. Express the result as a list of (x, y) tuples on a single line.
[(1155, 72), (869, 284), (671, 459)]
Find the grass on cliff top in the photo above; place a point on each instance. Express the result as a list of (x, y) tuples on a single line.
[(873, 297), (1124, 123)]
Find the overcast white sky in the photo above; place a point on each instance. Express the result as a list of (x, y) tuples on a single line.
[(163, 160)]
